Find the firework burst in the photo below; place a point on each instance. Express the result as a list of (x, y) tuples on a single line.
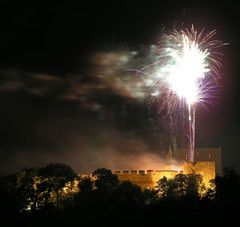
[(186, 62)]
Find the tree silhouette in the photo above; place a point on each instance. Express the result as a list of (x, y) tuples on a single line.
[(86, 185), (85, 196), (26, 189), (195, 186), (8, 198), (162, 187), (105, 180), (55, 176), (101, 196), (21, 188), (181, 186), (228, 187), (150, 196), (128, 196)]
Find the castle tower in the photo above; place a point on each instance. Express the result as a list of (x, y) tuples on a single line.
[(205, 168)]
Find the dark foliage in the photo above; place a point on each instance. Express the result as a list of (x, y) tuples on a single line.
[(102, 200)]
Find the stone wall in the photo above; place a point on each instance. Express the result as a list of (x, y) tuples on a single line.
[(205, 169), (145, 179), (203, 155), (149, 178)]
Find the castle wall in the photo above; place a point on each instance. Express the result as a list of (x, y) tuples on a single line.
[(206, 169), (203, 155), (146, 179), (149, 178)]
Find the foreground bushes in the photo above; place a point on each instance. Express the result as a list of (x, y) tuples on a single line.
[(56, 194)]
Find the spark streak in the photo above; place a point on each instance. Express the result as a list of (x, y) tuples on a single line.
[(186, 61)]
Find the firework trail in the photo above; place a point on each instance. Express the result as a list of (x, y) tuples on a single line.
[(186, 63)]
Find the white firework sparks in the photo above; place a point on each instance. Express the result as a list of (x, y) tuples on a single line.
[(186, 60)]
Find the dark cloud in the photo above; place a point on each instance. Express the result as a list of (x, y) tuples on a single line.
[(47, 118)]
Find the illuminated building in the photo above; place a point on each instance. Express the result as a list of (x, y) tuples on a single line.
[(208, 165)]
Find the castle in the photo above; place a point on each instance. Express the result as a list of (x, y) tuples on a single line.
[(148, 179), (208, 165)]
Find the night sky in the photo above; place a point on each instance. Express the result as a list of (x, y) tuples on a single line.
[(67, 94)]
